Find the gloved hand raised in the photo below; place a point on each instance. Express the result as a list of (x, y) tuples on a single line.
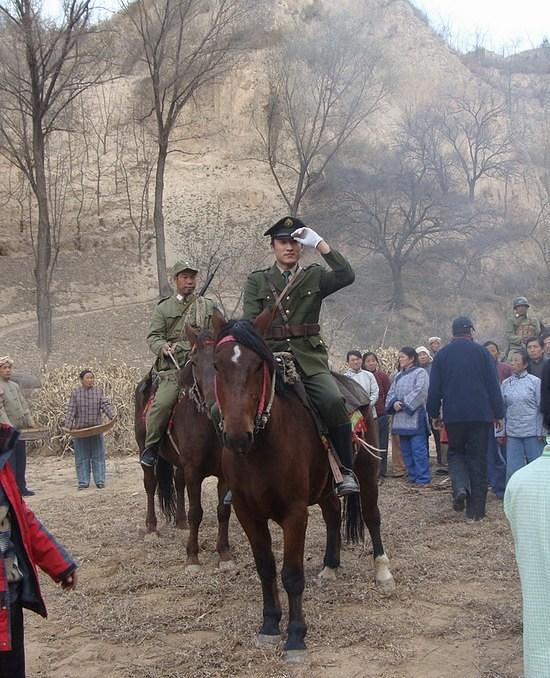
[(306, 237)]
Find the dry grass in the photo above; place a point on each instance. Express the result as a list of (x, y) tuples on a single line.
[(118, 382), (139, 614)]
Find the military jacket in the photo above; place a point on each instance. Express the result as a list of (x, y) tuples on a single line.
[(168, 322), (302, 305), (520, 328)]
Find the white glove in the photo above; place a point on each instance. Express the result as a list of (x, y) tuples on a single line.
[(306, 237)]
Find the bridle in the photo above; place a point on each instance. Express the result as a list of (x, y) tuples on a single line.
[(194, 391), (265, 403)]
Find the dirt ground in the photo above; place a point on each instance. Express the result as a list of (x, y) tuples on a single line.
[(138, 613)]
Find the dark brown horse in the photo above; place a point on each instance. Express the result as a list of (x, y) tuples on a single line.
[(194, 449), (277, 466), (164, 473)]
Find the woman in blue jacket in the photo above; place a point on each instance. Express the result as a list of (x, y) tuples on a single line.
[(406, 400)]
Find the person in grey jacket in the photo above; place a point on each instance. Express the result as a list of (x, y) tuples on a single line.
[(524, 427), (406, 400)]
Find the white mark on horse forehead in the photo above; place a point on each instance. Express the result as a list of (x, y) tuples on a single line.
[(236, 354)]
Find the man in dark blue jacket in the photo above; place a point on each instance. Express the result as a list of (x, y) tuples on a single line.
[(464, 380)]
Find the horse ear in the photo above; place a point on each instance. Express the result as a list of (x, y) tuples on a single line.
[(263, 321), (218, 321), (191, 333)]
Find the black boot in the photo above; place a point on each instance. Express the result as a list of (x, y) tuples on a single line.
[(340, 437), (150, 455)]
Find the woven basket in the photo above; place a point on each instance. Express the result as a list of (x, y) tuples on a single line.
[(29, 434), (91, 430)]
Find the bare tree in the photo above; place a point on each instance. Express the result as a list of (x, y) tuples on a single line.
[(397, 211), (325, 81), (44, 66), (136, 162), (187, 44), (474, 124)]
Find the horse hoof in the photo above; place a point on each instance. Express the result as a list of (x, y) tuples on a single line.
[(295, 656), (182, 526), (386, 586), (263, 640), (226, 565), (327, 574), (193, 569), (151, 537)]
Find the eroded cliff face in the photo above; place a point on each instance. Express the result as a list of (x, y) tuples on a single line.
[(219, 197)]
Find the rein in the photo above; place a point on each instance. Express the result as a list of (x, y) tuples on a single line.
[(194, 391), (265, 405)]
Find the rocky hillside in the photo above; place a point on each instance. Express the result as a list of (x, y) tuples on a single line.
[(219, 199)]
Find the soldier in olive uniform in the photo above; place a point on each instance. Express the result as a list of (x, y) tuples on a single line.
[(167, 340), (520, 326), (296, 329)]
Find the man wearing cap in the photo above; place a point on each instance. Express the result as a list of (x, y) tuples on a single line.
[(296, 328), (520, 326), (464, 380), (15, 412), (167, 340)]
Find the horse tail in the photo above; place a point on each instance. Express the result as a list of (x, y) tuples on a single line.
[(166, 489), (353, 519)]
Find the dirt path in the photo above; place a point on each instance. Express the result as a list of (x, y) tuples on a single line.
[(26, 324), (139, 614)]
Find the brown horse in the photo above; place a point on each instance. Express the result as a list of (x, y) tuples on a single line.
[(194, 449), (276, 466), (164, 473)]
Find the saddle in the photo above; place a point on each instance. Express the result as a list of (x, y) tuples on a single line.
[(355, 397)]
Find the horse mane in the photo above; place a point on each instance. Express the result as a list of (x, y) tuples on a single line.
[(246, 334)]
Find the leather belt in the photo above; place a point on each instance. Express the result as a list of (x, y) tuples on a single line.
[(288, 331)]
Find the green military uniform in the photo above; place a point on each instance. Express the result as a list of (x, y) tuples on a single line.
[(519, 328), (302, 306), (170, 317)]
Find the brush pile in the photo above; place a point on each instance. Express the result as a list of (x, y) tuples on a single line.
[(49, 403)]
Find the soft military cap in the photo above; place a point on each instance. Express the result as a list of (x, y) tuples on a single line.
[(284, 228), (520, 301), (181, 266)]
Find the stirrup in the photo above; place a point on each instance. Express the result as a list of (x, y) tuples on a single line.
[(349, 484)]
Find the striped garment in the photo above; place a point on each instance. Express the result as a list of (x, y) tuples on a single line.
[(85, 407)]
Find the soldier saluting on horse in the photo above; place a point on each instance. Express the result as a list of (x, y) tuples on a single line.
[(295, 294), (167, 340)]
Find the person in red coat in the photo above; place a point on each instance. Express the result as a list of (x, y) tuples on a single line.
[(24, 544)]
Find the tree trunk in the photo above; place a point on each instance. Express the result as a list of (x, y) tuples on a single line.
[(398, 296), (158, 220), (43, 255)]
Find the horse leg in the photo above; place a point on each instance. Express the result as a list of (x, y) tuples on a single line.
[(150, 485), (257, 531), (367, 471), (222, 544), (195, 518), (181, 515), (294, 531), (330, 507)]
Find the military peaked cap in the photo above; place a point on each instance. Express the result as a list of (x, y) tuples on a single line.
[(283, 229), (181, 266)]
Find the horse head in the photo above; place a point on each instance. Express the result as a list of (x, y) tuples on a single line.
[(202, 363), (244, 367)]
